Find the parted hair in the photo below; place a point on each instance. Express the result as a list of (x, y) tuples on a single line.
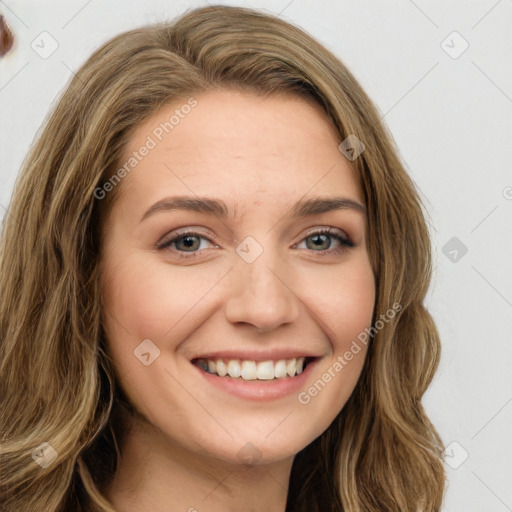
[(380, 454)]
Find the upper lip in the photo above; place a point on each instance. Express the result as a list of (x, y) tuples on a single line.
[(256, 355)]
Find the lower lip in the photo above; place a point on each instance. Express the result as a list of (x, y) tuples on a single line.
[(259, 390)]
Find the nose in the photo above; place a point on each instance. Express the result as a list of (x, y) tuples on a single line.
[(262, 295)]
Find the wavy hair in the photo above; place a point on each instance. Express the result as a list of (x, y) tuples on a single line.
[(380, 454)]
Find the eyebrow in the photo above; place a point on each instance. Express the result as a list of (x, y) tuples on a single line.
[(302, 208)]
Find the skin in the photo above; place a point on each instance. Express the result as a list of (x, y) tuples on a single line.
[(260, 156)]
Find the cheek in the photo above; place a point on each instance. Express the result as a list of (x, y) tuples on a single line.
[(151, 297), (146, 299), (343, 301)]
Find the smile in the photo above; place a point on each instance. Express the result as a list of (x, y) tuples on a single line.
[(247, 369)]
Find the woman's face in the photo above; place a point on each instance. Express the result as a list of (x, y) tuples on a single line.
[(214, 261)]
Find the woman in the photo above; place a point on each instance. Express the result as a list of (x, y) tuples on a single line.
[(212, 277)]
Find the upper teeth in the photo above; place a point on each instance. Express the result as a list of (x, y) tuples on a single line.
[(252, 370)]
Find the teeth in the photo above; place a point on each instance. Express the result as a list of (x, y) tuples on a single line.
[(265, 370), (221, 368), (234, 369), (291, 367), (280, 369), (249, 371), (252, 370)]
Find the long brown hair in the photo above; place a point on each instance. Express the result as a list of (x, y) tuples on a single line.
[(381, 453)]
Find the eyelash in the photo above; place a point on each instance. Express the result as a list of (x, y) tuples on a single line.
[(345, 242)]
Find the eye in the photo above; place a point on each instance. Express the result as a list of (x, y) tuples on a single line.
[(188, 243), (321, 241), (184, 242)]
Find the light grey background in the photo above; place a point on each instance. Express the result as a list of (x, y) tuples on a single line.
[(450, 117)]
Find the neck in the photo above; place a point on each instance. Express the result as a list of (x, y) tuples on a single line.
[(156, 474)]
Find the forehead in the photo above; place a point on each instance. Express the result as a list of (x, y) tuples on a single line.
[(238, 146)]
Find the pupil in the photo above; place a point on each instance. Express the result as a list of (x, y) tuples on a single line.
[(189, 242), (319, 239)]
